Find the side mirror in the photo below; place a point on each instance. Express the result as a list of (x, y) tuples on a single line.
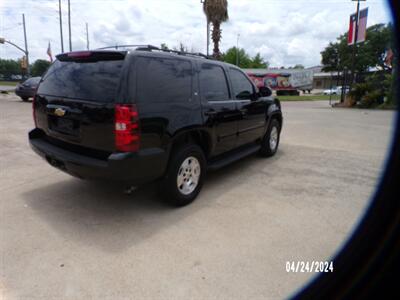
[(265, 91)]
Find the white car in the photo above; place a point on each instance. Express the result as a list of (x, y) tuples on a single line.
[(336, 90)]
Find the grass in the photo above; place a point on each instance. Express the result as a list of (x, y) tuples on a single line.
[(389, 106), (308, 98), (9, 83)]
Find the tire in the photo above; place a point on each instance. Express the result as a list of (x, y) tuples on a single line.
[(187, 166), (270, 142), (25, 99)]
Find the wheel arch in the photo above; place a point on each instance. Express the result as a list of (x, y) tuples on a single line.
[(197, 136), (277, 116)]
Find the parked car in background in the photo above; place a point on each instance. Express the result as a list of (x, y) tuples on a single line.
[(16, 77), (99, 115), (336, 90), (27, 89)]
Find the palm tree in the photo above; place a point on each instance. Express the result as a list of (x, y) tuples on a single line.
[(216, 12)]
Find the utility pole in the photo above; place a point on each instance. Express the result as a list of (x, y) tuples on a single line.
[(61, 31), (208, 30), (330, 91), (69, 25), (208, 37), (26, 47), (237, 50), (87, 36)]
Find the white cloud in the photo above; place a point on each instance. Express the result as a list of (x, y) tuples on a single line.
[(284, 32)]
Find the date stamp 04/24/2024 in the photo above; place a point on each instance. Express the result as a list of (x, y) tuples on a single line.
[(309, 266)]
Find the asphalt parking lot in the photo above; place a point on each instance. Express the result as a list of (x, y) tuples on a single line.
[(62, 237)]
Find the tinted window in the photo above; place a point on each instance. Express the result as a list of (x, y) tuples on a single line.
[(93, 81), (163, 80), (213, 83), (242, 88), (33, 80)]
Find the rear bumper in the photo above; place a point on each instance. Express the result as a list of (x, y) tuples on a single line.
[(130, 168)]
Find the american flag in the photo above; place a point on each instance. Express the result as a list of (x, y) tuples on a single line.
[(362, 25), (49, 52)]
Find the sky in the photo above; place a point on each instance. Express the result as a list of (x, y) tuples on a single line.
[(284, 32)]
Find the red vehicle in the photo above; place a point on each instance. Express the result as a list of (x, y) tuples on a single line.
[(284, 82)]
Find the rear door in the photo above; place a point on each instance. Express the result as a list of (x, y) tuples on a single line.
[(162, 89), (75, 99), (219, 109), (252, 108)]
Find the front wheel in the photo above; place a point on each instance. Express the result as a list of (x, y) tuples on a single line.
[(25, 99), (185, 175), (270, 142)]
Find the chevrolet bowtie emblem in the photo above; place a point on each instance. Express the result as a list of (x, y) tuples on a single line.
[(59, 112)]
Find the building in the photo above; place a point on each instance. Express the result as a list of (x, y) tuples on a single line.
[(325, 80)]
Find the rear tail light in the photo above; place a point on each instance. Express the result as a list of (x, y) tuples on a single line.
[(33, 110), (127, 131)]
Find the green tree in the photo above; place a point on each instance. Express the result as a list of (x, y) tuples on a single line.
[(10, 67), (245, 61), (181, 48), (216, 12), (164, 46), (330, 57), (39, 67), (338, 55), (372, 91), (230, 57), (258, 62), (298, 66)]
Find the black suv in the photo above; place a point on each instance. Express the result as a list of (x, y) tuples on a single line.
[(139, 115)]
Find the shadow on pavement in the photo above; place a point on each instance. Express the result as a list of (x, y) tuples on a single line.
[(102, 216)]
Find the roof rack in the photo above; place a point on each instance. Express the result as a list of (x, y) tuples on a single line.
[(128, 46), (151, 48)]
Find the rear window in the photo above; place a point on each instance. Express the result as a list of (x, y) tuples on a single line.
[(93, 81), (33, 80), (163, 80)]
